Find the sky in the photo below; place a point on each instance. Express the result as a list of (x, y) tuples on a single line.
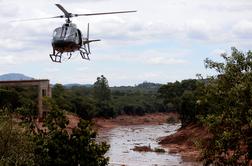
[(165, 41)]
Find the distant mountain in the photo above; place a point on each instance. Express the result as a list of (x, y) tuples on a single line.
[(14, 76)]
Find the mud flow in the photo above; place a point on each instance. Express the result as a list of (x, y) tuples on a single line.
[(124, 139)]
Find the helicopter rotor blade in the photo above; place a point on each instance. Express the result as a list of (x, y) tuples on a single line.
[(70, 15), (92, 14), (67, 14), (32, 19)]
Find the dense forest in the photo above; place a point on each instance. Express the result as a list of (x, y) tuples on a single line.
[(102, 100), (221, 103)]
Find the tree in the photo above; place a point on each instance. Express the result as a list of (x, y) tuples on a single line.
[(227, 106), (181, 97), (16, 146), (56, 146), (188, 108), (105, 109), (102, 92), (9, 99), (61, 97), (84, 107), (102, 96), (84, 147)]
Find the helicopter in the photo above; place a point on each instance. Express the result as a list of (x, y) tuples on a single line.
[(68, 38)]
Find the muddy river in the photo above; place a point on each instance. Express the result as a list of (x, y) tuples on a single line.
[(124, 138)]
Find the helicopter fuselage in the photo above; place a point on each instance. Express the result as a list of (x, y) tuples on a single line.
[(67, 38)]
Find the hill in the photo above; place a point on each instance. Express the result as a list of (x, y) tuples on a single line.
[(14, 76)]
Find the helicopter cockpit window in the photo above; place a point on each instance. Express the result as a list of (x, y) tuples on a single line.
[(65, 33), (57, 32), (70, 33)]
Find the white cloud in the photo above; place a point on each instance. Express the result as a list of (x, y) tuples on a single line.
[(151, 75), (52, 70), (7, 60), (82, 69), (228, 6), (158, 60), (198, 29), (218, 52), (148, 57), (200, 20), (243, 29)]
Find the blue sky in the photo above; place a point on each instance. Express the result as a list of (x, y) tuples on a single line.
[(165, 41)]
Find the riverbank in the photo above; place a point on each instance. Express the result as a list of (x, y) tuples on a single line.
[(126, 120), (185, 141), (182, 142)]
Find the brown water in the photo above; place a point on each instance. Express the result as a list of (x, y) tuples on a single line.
[(124, 138)]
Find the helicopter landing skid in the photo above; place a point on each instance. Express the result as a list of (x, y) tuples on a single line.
[(56, 57), (84, 53)]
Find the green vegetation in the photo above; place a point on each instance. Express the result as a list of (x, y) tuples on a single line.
[(182, 97), (227, 102), (16, 145), (223, 104), (137, 100), (102, 93), (104, 101), (23, 143), (59, 147)]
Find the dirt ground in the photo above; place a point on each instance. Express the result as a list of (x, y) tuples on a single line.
[(185, 140), (125, 120), (122, 120)]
